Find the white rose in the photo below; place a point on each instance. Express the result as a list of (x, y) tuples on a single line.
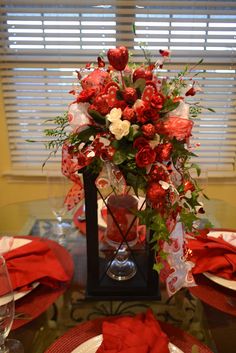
[(78, 115), (114, 115), (120, 128)]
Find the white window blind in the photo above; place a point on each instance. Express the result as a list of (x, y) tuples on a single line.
[(42, 43)]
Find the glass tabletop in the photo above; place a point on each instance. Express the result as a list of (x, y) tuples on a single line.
[(184, 310)]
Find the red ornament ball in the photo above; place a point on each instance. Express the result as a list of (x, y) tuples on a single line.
[(188, 185)]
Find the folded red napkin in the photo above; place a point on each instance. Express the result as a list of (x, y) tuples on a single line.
[(139, 334), (34, 262), (213, 255)]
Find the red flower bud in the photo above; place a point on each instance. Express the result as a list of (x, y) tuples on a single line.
[(141, 72), (188, 185), (191, 92)]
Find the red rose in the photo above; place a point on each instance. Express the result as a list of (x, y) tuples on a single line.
[(100, 104), (85, 95), (140, 142), (163, 151), (157, 101), (130, 95), (148, 130), (158, 173), (145, 156), (151, 114), (120, 104), (155, 193), (175, 126), (129, 114), (96, 80)]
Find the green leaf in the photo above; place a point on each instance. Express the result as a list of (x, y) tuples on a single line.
[(140, 84), (168, 106), (211, 110), (119, 95), (196, 166), (119, 157), (85, 134), (97, 117), (187, 219), (158, 267), (165, 87), (136, 181), (134, 28)]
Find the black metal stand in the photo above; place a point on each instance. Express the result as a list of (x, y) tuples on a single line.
[(145, 283)]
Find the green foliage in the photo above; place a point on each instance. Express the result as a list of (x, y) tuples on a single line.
[(85, 134), (97, 117), (168, 106), (58, 134), (187, 218)]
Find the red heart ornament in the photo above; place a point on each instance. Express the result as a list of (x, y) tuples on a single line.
[(149, 91), (111, 90), (118, 57)]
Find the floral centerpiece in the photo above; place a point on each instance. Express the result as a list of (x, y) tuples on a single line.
[(128, 122)]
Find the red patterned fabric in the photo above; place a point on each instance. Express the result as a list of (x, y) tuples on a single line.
[(81, 333)]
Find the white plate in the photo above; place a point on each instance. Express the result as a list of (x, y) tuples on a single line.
[(91, 345), (19, 295), (101, 221), (229, 237), (221, 281), (18, 242)]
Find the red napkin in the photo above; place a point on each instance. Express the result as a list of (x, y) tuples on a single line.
[(213, 255), (139, 334), (35, 262)]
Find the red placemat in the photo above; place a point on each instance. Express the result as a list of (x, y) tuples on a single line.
[(40, 299), (215, 295), (82, 332)]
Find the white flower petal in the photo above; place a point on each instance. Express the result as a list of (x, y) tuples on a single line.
[(164, 184), (188, 194)]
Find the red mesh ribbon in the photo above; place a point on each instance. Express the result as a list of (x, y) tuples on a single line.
[(70, 168)]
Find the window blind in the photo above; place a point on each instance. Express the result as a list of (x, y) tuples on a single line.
[(42, 44)]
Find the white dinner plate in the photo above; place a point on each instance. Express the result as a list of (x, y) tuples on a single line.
[(101, 221), (91, 345), (18, 242), (230, 237)]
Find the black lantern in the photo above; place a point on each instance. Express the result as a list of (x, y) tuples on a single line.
[(141, 281)]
